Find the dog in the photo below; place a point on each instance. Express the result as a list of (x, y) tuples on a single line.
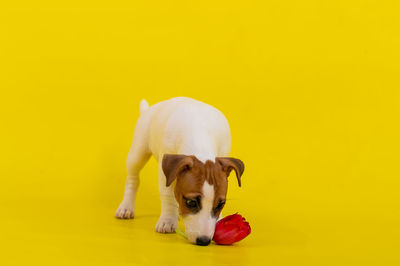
[(191, 141)]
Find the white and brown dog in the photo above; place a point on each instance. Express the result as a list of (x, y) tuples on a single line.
[(190, 140)]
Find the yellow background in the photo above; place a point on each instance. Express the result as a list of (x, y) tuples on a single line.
[(311, 91)]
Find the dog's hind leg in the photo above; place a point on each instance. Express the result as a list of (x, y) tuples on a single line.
[(139, 154)]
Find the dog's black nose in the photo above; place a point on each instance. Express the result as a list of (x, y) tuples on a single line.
[(203, 241)]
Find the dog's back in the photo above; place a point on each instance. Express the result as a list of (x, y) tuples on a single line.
[(186, 126)]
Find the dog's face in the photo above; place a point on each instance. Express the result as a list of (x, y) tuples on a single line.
[(200, 191)]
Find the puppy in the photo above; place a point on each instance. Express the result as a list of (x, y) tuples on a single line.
[(191, 141)]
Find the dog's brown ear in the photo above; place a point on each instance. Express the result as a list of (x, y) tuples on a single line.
[(175, 164), (228, 164)]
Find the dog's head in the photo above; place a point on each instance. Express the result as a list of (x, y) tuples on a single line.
[(200, 191)]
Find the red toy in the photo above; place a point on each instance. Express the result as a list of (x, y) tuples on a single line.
[(231, 229)]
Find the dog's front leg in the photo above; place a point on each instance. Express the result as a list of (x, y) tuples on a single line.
[(168, 221)]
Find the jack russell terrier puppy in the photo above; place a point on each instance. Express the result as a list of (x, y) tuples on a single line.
[(190, 140)]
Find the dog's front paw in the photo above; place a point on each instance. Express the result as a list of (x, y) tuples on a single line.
[(125, 211), (166, 225)]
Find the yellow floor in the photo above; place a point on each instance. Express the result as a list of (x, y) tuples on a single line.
[(310, 89), (72, 233), (76, 230)]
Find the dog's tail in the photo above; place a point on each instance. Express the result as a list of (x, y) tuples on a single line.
[(144, 105)]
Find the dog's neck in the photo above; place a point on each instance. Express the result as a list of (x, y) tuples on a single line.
[(205, 157), (202, 146)]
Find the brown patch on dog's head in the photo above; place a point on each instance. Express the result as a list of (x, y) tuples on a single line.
[(190, 174)]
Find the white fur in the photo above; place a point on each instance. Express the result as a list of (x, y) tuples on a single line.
[(144, 105), (176, 126)]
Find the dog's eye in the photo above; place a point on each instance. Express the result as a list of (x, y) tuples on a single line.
[(218, 208), (220, 205), (191, 204)]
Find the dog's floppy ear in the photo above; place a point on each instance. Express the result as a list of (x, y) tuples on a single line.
[(228, 164), (174, 164)]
